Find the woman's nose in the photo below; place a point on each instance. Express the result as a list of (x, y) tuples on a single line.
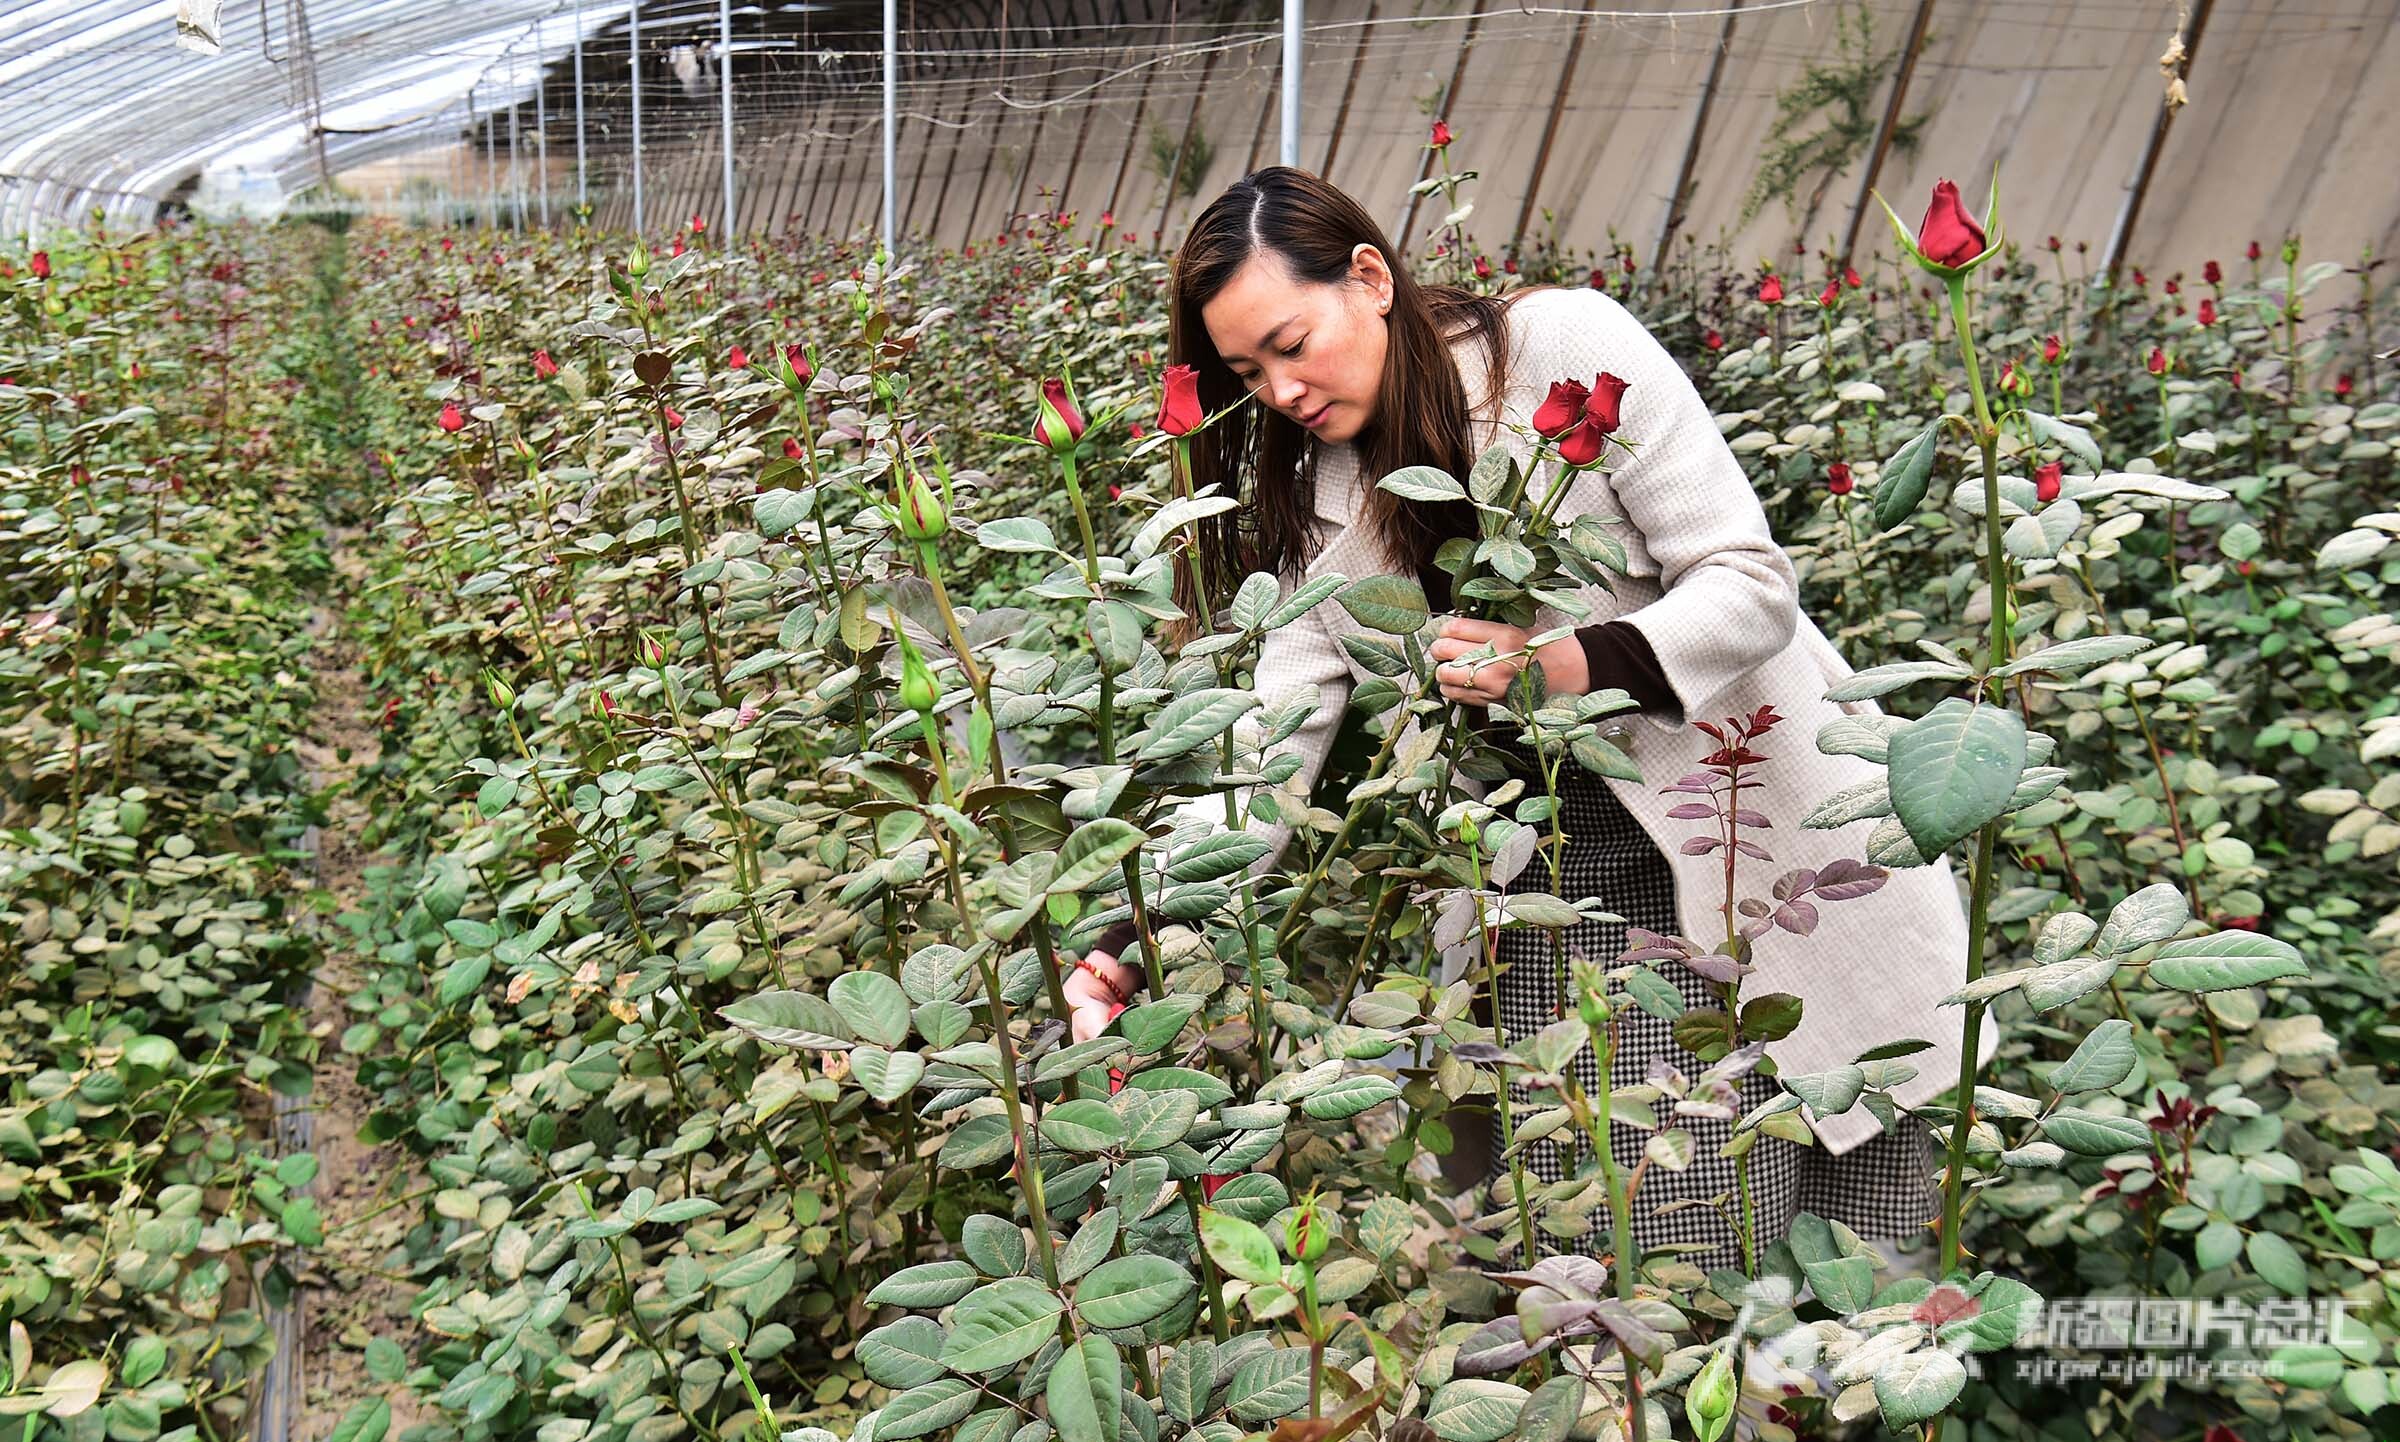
[(1288, 393)]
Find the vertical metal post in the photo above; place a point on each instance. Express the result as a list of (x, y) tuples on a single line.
[(583, 194), (891, 117), (541, 121), (516, 173), (1681, 196), (633, 52), (1292, 9), (1891, 123), (725, 105)]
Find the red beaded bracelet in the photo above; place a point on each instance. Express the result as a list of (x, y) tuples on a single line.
[(1115, 994)]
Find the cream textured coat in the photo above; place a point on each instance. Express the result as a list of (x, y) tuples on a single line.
[(1718, 601)]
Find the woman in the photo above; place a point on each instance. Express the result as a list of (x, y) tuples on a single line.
[(1284, 292)]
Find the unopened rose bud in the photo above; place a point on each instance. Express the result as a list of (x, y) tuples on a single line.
[(503, 695), (918, 691), (1306, 1235), (922, 517), (1708, 1399), (637, 261)]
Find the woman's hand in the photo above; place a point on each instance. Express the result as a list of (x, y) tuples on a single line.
[(1480, 683), (1090, 1008)]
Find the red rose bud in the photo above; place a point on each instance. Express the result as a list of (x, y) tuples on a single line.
[(678, 249), (922, 517), (1060, 425), (40, 265), (1837, 478), (2213, 273), (1509, 265), (543, 366), (1949, 237), (1584, 444), (2208, 311), (2054, 245), (2157, 364), (2342, 386), (2045, 482), (2174, 287), (1441, 134), (737, 358), (1608, 395), (452, 419), (2253, 252), (2139, 278), (791, 448), (2052, 349), (1116, 1080), (1179, 410), (1115, 490), (674, 418), (1599, 279), (1714, 340), (1770, 290), (1211, 1181), (1831, 293), (698, 225), (1850, 278), (1562, 411), (1483, 268), (2237, 378)]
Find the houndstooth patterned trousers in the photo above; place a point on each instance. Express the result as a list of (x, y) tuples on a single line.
[(1883, 1188)]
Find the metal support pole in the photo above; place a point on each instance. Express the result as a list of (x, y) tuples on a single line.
[(541, 121), (891, 117), (583, 194), (1678, 198), (725, 105), (1891, 122), (1290, 154), (633, 54), (516, 172)]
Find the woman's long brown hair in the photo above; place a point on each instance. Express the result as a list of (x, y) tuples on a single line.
[(1421, 409)]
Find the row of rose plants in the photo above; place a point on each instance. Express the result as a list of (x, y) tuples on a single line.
[(160, 549), (798, 752)]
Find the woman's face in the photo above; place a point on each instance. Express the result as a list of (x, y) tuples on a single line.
[(1313, 352)]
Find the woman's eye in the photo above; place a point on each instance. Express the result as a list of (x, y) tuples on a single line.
[(1295, 350)]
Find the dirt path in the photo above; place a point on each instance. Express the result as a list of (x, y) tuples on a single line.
[(352, 1292)]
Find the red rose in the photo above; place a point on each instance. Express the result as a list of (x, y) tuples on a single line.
[(2045, 482), (452, 419), (1483, 268), (2158, 364), (1949, 236), (543, 366), (1210, 1182), (1599, 280), (737, 358), (791, 448), (2208, 311), (2139, 278), (698, 225), (2052, 349), (674, 418), (41, 265), (1583, 445), (1060, 425), (1837, 478), (2253, 252), (1714, 340), (678, 250), (2237, 378), (1608, 392), (1850, 278), (2342, 386), (2174, 287), (1770, 290), (2213, 273), (798, 360), (1560, 413), (1509, 265), (1179, 409), (1441, 134), (1831, 293)]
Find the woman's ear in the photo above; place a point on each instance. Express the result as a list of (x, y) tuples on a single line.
[(1377, 275)]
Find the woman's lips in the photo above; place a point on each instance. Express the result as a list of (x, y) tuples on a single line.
[(1313, 421)]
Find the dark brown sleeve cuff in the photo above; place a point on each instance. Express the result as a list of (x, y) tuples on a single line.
[(1616, 653), (1115, 940)]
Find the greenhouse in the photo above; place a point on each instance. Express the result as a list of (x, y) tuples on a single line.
[(1038, 721)]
